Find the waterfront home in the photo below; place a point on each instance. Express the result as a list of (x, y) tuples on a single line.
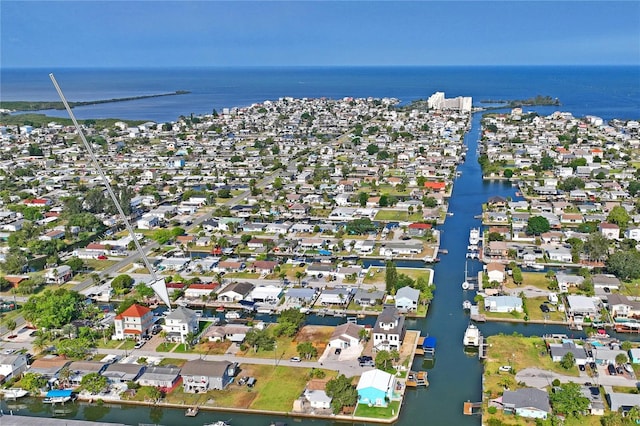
[(375, 388), (201, 376), (58, 275), (406, 299), (559, 350), (368, 297), (133, 323), (12, 366), (300, 296), (265, 294), (389, 329), (122, 373), (79, 369), (197, 290), (160, 377), (235, 292), (49, 367), (605, 356), (235, 333), (334, 296), (179, 323), (345, 336), (315, 394), (580, 307), (568, 280), (605, 281), (620, 306), (503, 304), (558, 252), (527, 402), (496, 272)]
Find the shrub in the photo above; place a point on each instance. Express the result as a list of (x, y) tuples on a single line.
[(492, 410), (556, 382)]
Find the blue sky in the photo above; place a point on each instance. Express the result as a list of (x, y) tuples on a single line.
[(301, 33)]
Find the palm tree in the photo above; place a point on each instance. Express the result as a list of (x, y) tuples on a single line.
[(39, 342), (299, 276), (64, 377)]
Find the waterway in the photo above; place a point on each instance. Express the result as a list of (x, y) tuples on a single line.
[(454, 376)]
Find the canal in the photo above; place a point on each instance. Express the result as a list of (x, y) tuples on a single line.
[(454, 376)]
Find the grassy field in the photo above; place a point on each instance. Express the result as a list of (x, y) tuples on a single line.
[(533, 306), (166, 347), (534, 279), (399, 215), (363, 410)]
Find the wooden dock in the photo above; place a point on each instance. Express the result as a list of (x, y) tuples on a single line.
[(471, 408), (416, 379), (482, 348)]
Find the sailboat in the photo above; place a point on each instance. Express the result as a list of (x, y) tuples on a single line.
[(465, 283)]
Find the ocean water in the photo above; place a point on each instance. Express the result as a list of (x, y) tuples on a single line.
[(608, 92)]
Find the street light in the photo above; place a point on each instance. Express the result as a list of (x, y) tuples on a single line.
[(275, 354)]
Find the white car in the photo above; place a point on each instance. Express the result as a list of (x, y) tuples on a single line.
[(295, 359), (506, 368)]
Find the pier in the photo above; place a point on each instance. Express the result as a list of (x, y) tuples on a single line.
[(471, 408), (482, 348)]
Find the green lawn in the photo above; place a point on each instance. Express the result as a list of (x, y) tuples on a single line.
[(166, 347), (389, 215), (128, 345), (173, 361), (109, 344), (363, 410)]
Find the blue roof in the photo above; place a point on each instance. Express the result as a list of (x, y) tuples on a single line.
[(324, 252), (429, 342), (57, 393)]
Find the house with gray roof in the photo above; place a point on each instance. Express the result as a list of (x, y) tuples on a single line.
[(624, 401), (201, 376), (235, 292), (503, 304), (79, 369), (179, 323), (406, 299), (122, 373), (559, 350), (160, 377), (527, 402), (389, 329), (301, 296), (368, 297)]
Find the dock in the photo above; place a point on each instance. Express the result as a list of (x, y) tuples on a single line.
[(192, 412), (416, 379), (471, 408), (482, 348)]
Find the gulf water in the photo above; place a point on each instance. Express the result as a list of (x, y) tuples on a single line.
[(454, 376)]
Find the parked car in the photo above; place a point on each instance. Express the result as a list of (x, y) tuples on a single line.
[(368, 363), (581, 367), (612, 370), (295, 359), (364, 358), (102, 257), (544, 308), (505, 368), (139, 344)]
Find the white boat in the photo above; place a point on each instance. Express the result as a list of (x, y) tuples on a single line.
[(218, 423), (466, 305), (472, 247), (466, 285), (474, 236), (232, 315), (471, 336), (305, 311), (56, 400), (14, 393), (629, 368)]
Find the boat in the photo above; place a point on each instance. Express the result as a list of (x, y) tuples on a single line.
[(305, 311), (218, 423), (58, 396), (472, 336), (232, 315), (473, 255), (14, 393), (192, 412), (474, 236), (220, 309), (466, 305)]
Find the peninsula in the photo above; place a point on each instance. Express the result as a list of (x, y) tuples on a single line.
[(42, 105)]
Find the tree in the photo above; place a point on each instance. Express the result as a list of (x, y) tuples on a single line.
[(619, 216), (626, 346), (11, 325), (569, 400), (568, 360), (596, 246), (299, 275), (537, 225), (363, 197), (372, 149), (342, 393), (74, 348), (634, 188), (53, 308), (260, 340), (390, 276), (383, 360), (624, 264), (306, 350), (289, 322), (622, 359), (517, 275), (75, 263), (122, 284), (363, 334), (33, 382)]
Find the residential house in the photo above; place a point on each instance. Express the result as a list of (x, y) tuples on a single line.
[(123, 373), (179, 323), (160, 377), (235, 292), (334, 296), (527, 402), (197, 290), (200, 376), (605, 281), (79, 369), (610, 231), (406, 299), (58, 275), (265, 294), (301, 296), (559, 350), (620, 306), (315, 394), (389, 329), (568, 280), (345, 336), (375, 388), (596, 404), (133, 323), (368, 297), (558, 253), (503, 304), (623, 401), (580, 307), (49, 367), (12, 366), (496, 272), (235, 333)]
